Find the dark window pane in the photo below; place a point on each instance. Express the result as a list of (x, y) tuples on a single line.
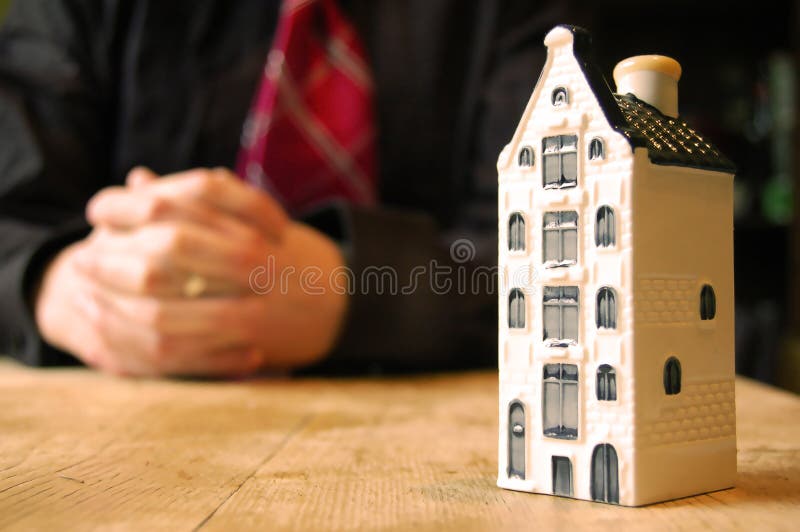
[(552, 170), (560, 401), (569, 142), (552, 322), (551, 144), (612, 476), (708, 303), (672, 376), (551, 408), (606, 383), (552, 293), (516, 440), (516, 232), (605, 231), (570, 245), (561, 315), (596, 150), (570, 168), (552, 246), (552, 371), (516, 309), (605, 474), (526, 156), (569, 405), (598, 480), (559, 96), (606, 311), (560, 167), (570, 317), (560, 236), (612, 386), (569, 372), (562, 476), (569, 219)]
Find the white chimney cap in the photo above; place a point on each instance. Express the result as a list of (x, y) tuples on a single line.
[(652, 79)]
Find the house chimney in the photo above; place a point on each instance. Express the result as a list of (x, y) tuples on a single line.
[(652, 79)]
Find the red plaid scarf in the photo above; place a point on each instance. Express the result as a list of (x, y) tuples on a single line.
[(310, 134)]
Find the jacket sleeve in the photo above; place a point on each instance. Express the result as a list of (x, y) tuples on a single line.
[(425, 292), (52, 155)]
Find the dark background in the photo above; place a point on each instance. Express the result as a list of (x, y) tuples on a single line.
[(740, 88)]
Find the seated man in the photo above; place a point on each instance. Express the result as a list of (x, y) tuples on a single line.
[(173, 202)]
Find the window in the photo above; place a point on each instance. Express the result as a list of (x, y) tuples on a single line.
[(560, 315), (560, 155), (708, 303), (606, 383), (516, 309), (560, 237), (559, 97), (597, 149), (604, 230), (672, 376), (562, 476), (605, 474), (606, 309), (560, 401), (526, 156), (516, 232), (516, 440)]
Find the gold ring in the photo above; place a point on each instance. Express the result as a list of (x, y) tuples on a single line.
[(194, 286)]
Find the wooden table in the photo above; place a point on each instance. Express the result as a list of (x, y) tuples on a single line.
[(83, 450)]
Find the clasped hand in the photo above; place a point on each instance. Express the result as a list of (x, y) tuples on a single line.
[(118, 300)]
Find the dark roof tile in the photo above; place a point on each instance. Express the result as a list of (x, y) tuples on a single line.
[(669, 140)]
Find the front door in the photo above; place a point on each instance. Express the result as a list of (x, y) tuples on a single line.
[(562, 476), (516, 440), (605, 474)]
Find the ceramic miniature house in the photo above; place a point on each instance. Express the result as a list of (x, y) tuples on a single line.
[(616, 304)]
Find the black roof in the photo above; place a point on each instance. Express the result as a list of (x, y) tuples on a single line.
[(669, 141)]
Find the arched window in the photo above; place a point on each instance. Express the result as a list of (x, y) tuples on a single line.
[(559, 96), (606, 383), (606, 309), (597, 149), (708, 303), (516, 309), (672, 376), (605, 474), (516, 232), (516, 440), (525, 156), (605, 234)]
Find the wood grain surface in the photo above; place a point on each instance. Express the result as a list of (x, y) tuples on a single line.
[(80, 450)]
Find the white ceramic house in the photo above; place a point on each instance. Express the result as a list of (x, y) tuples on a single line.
[(616, 348)]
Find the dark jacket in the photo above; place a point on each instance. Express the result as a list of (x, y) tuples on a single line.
[(91, 88)]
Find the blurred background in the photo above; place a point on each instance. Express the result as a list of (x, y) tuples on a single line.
[(740, 87)]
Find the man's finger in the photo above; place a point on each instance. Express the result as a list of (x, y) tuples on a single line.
[(126, 209), (221, 189), (142, 347), (161, 254), (139, 177), (136, 274)]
